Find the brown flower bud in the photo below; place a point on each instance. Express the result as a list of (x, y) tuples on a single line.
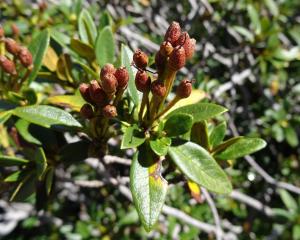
[(109, 111), (87, 111), (2, 34), (140, 59), (107, 68), (177, 58), (109, 83), (184, 37), (15, 30), (184, 89), (96, 93), (160, 62), (85, 93), (173, 33), (12, 46), (189, 48), (158, 89), (43, 6), (166, 48), (25, 57), (8, 66), (142, 81), (122, 77)]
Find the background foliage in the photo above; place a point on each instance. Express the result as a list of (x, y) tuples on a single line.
[(247, 60)]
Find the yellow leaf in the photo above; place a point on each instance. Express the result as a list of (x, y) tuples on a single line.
[(195, 190), (73, 102), (50, 59)]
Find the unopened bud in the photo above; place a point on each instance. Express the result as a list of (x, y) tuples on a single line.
[(189, 48), (43, 6), (142, 81), (166, 48), (140, 59), (96, 92), (184, 89), (184, 37), (84, 91), (158, 89), (12, 46), (107, 68), (7, 65), (122, 77), (109, 111), (177, 58), (109, 83), (25, 57), (15, 30), (173, 33), (87, 111), (160, 62)]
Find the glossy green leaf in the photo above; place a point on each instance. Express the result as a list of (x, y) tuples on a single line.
[(6, 161), (23, 129), (83, 49), (148, 188), (199, 134), (126, 58), (178, 124), (46, 116), (199, 166), (41, 162), (272, 6), (217, 134), (105, 20), (38, 48), (244, 32), (286, 54), (200, 111), (160, 145), (133, 137), (105, 47), (242, 147), (86, 27)]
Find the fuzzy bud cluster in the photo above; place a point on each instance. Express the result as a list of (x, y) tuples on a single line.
[(99, 94), (20, 55)]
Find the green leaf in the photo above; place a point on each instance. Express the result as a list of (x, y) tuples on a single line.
[(6, 161), (25, 188), (23, 129), (178, 124), (86, 27), (244, 32), (199, 166), (254, 17), (272, 6), (288, 201), (126, 58), (41, 162), (291, 136), (199, 134), (286, 54), (200, 111), (148, 187), (160, 145), (83, 49), (38, 48), (242, 147), (105, 20), (49, 179), (217, 134), (105, 47), (133, 137), (46, 116), (4, 116), (14, 177)]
